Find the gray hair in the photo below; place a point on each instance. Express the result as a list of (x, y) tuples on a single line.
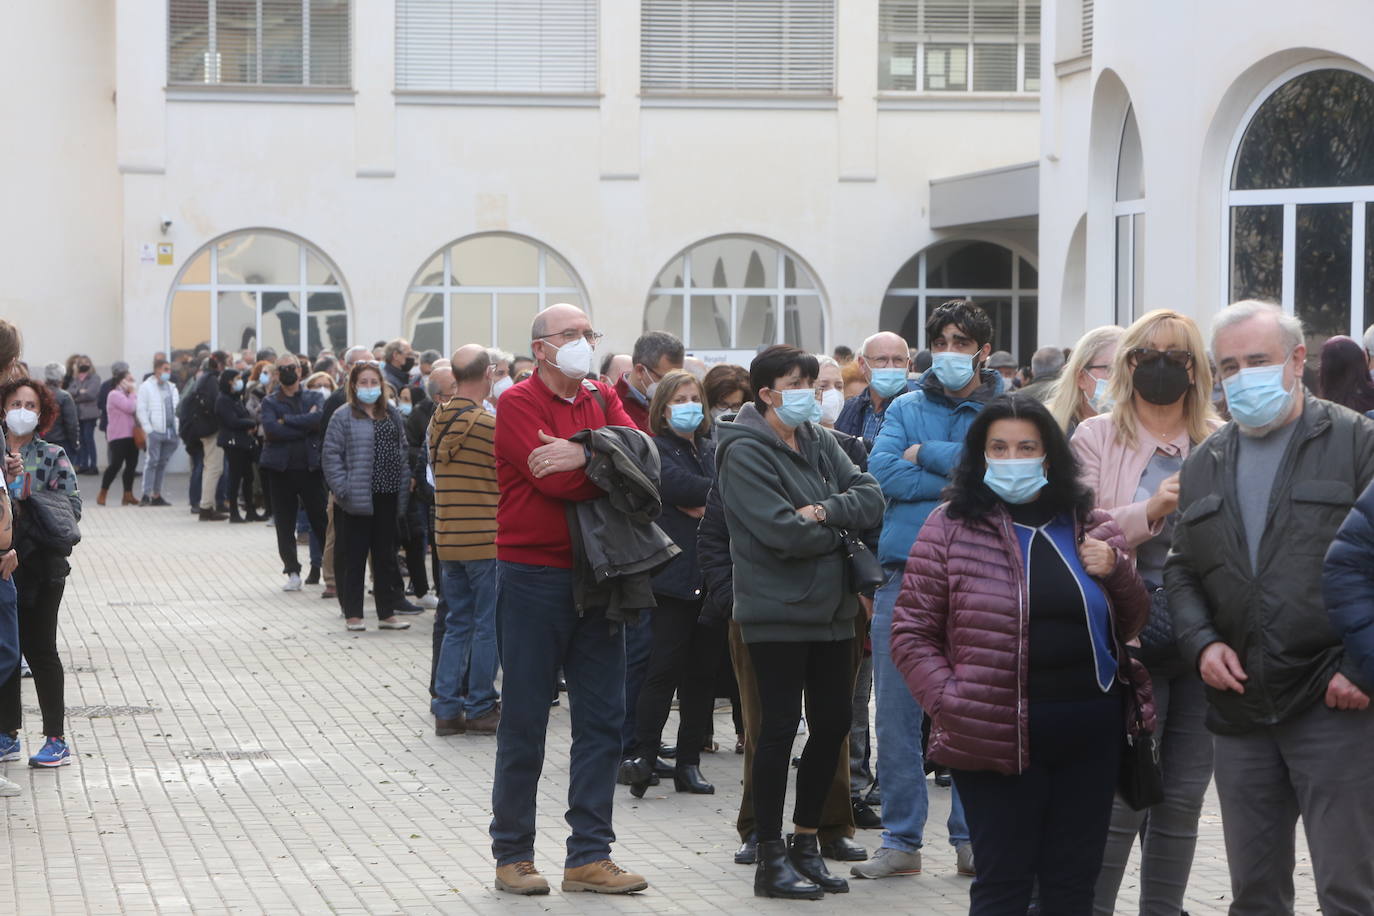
[(52, 373), (1290, 326), (429, 356), (497, 355), (356, 348), (1046, 361), (652, 347), (823, 361)]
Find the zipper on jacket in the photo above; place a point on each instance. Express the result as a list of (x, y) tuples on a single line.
[(1021, 639)]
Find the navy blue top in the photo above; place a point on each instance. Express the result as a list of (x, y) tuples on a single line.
[(687, 472)]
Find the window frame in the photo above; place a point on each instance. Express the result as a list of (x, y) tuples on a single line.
[(1132, 211), (1358, 197), (305, 85), (302, 289), (1022, 40)]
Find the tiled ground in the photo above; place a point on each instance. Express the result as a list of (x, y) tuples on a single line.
[(238, 752)]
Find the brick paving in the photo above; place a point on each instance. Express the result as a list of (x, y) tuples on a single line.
[(238, 752)]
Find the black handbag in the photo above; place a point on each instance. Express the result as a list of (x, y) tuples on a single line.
[(52, 520), (865, 572), (1141, 778), (1158, 636)]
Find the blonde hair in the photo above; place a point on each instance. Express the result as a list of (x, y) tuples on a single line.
[(1197, 402), (666, 391), (1067, 402)]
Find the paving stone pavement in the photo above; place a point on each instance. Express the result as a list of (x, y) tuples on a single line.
[(238, 752)]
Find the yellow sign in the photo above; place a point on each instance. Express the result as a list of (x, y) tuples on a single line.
[(164, 254)]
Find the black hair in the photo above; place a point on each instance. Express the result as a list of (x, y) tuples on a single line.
[(652, 347), (970, 498), (843, 353), (965, 315), (226, 380), (775, 362)]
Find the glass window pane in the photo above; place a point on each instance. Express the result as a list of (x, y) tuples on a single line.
[(1032, 66), (1124, 307), (188, 41), (897, 66), (190, 319), (1257, 253), (735, 263), (902, 314), (1322, 273), (1315, 131), (663, 313), (1029, 330), (423, 323), (994, 68), (555, 274), (909, 276), (282, 43), (198, 271), (1130, 164), (330, 52), (1138, 299), (946, 68), (1030, 277), (804, 325), (495, 260), (670, 277), (515, 314), (432, 274), (259, 258), (968, 265), (327, 324), (757, 322), (710, 321), (238, 321), (999, 312), (472, 323), (281, 323), (317, 272), (236, 41), (795, 276)]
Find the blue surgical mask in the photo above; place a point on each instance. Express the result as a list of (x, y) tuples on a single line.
[(405, 408), (889, 382), (1016, 480), (954, 370), (265, 379), (1101, 401), (798, 406), (1256, 396), (685, 418), (238, 385), (165, 376), (369, 395)]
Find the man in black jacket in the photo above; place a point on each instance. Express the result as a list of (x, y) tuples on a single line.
[(1259, 503), (200, 422)]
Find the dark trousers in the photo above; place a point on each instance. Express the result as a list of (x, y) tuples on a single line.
[(639, 642), (357, 537), (122, 452), (837, 815), (240, 479), (824, 671), (416, 547), (544, 632), (86, 455), (308, 487), (264, 481), (683, 658), (1050, 822), (39, 600)]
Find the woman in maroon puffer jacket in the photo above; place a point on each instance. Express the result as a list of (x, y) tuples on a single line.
[(1016, 603)]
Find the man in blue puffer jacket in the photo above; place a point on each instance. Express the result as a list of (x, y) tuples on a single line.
[(921, 442), (1348, 586)]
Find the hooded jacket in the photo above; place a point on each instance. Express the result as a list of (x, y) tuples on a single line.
[(789, 573), (928, 416)]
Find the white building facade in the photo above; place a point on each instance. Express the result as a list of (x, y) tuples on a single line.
[(1194, 154), (313, 173)]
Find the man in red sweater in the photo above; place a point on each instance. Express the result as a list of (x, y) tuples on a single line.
[(540, 473)]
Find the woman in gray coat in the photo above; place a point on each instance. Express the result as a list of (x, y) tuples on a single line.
[(367, 473)]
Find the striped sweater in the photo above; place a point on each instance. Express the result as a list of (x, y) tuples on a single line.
[(465, 491)]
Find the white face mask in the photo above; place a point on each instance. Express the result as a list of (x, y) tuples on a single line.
[(500, 386), (575, 359), (21, 421), (832, 402)]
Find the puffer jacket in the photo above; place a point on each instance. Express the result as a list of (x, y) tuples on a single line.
[(349, 447), (688, 470), (1348, 586), (960, 635)]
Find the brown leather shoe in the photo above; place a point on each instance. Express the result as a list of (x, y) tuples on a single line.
[(445, 727), (603, 877), (100, 497), (521, 878), (129, 499), (486, 723)]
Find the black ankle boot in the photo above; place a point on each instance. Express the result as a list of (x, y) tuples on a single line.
[(639, 773), (687, 778), (774, 876), (314, 577), (804, 851)]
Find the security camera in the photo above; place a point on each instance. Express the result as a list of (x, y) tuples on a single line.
[(166, 224)]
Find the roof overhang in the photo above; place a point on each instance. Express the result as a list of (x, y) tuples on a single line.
[(1000, 198)]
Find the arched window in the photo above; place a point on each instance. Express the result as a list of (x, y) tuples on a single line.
[(486, 289), (1000, 281), (258, 288), (1302, 180), (1129, 211), (738, 292)]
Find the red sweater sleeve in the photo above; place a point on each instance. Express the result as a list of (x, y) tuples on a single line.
[(518, 424)]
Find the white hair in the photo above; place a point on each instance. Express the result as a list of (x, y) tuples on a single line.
[(1290, 327), (1369, 341), (356, 348), (823, 361)]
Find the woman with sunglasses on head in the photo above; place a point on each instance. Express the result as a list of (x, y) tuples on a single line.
[(1161, 385), (1015, 606), (1081, 390)]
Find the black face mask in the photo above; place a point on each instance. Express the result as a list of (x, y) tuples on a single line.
[(1160, 381), (287, 375), (83, 368), (408, 364)]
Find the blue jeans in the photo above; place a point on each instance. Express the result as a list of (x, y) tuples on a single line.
[(897, 725), (9, 629), (316, 546), (161, 446), (469, 647), (639, 643), (85, 453), (544, 632), (197, 471)]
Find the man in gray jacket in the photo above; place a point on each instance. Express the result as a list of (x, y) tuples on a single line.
[(1260, 501), (66, 432)]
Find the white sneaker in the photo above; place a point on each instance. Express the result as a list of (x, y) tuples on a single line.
[(430, 601), (293, 583), (9, 789)]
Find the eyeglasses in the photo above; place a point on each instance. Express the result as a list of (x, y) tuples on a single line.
[(1138, 355), (568, 336)]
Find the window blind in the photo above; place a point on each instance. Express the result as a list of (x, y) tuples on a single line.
[(1087, 45), (738, 46), (529, 46), (959, 45), (259, 43)]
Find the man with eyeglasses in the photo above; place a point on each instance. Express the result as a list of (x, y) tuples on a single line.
[(884, 360), (540, 474), (655, 354)]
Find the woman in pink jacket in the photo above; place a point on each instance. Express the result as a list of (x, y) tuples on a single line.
[(1010, 630), (121, 407), (1161, 384)]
